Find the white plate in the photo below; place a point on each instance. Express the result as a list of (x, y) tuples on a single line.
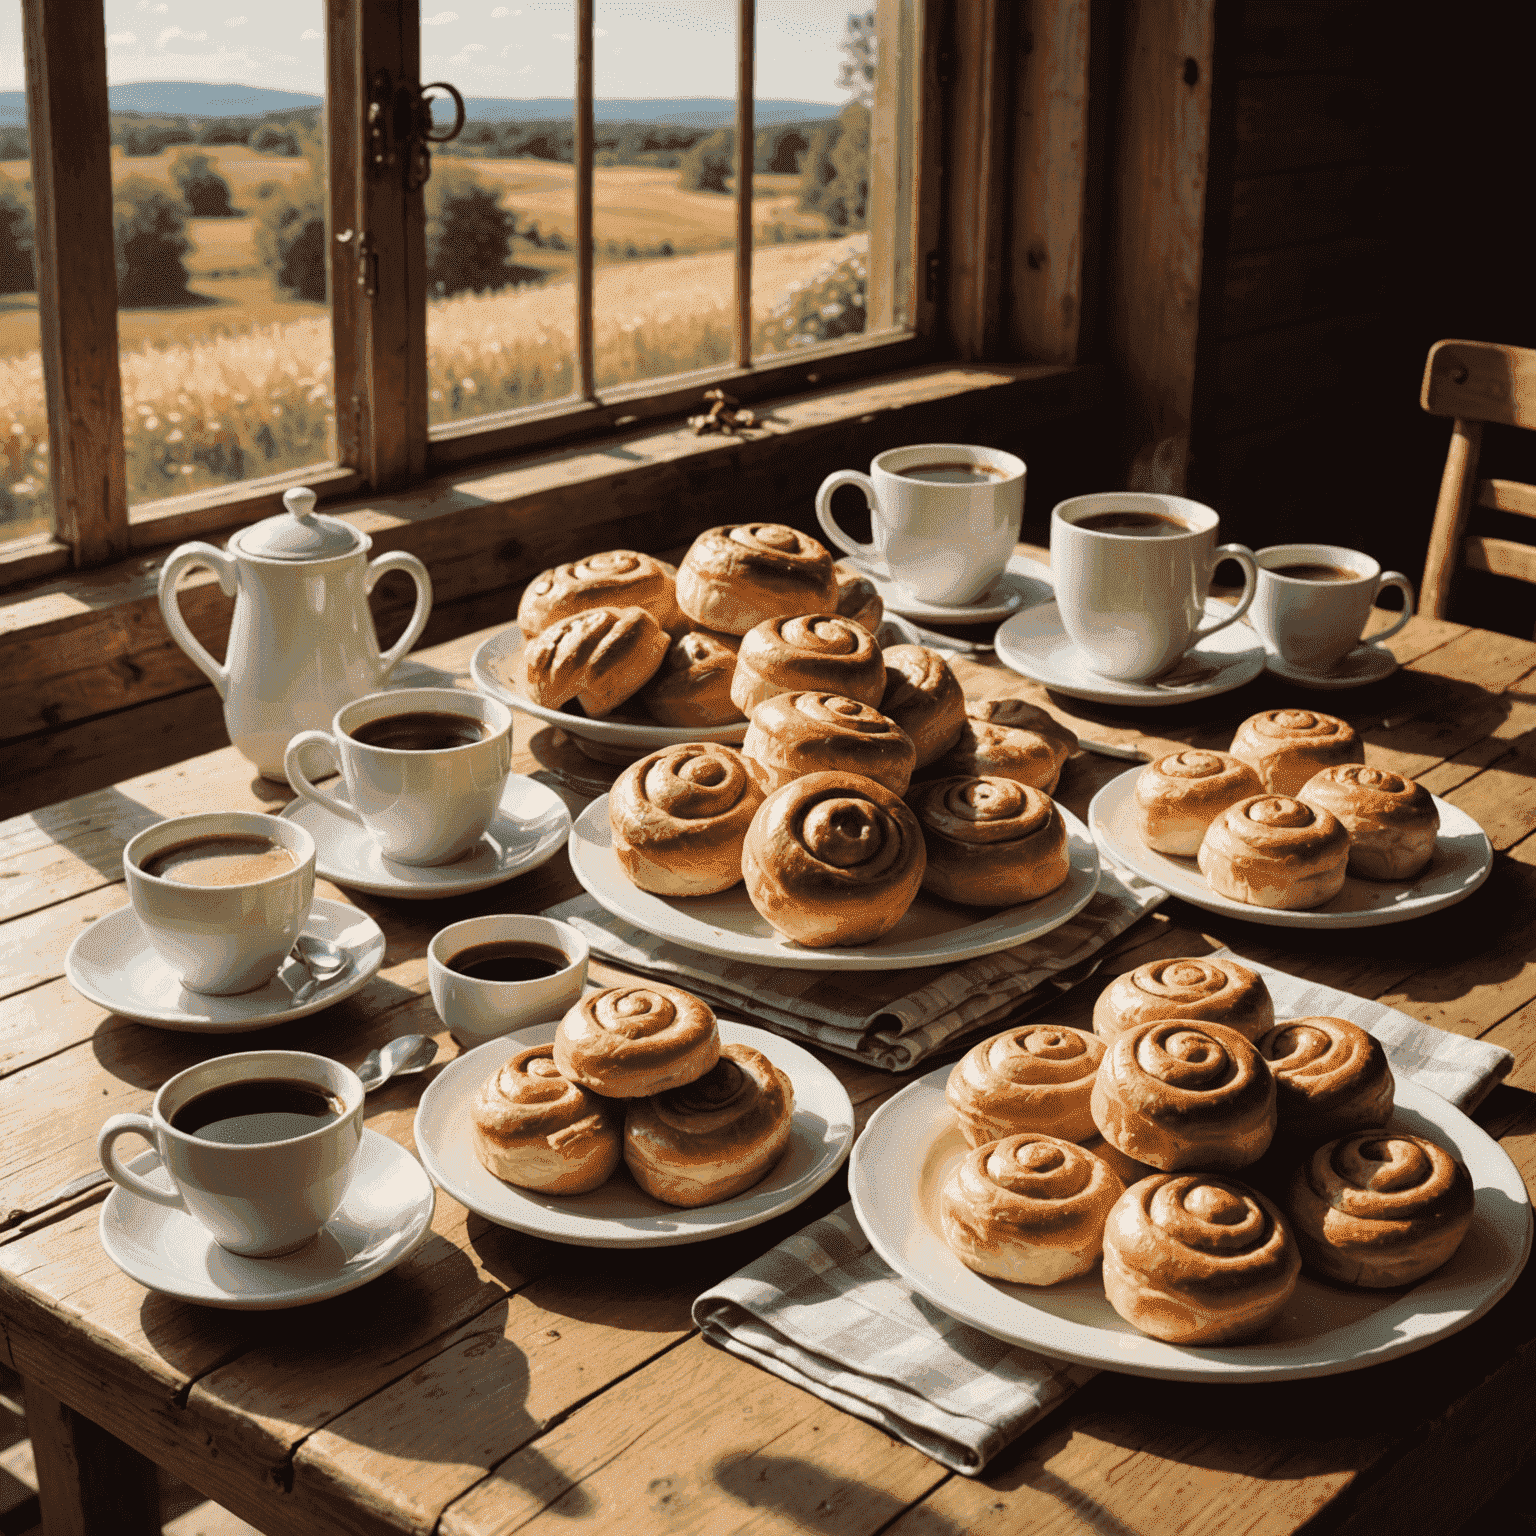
[(114, 965), (1023, 584), (1461, 863), (1365, 664), (383, 1218), (1035, 645), (531, 826), (912, 1144), (620, 1214), (933, 932)]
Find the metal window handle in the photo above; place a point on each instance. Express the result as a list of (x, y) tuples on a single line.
[(422, 135)]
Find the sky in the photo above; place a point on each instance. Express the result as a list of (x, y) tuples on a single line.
[(516, 48)]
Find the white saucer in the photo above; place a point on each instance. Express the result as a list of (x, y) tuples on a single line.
[(383, 1219), (1365, 664), (1035, 645), (113, 965), (1023, 584), (620, 1214), (530, 827)]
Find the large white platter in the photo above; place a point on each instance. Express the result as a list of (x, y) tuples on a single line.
[(912, 1144), (1461, 863), (933, 932), (620, 1214)]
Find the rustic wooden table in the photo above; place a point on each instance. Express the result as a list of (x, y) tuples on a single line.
[(497, 1382)]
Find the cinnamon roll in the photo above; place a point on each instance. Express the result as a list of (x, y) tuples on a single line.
[(991, 842), (1330, 1077), (1379, 1208), (833, 858), (1036, 1078), (1009, 739), (693, 685), (739, 574), (1215, 991), (818, 652), (924, 698), (1029, 1208), (617, 578), (534, 1128), (1198, 1259), (1180, 795), (626, 1042), (799, 733), (714, 1137), (1287, 746), (1391, 821), (680, 816), (1272, 851), (599, 657), (858, 598), (1176, 1093)]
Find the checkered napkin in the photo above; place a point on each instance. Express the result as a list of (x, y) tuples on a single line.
[(825, 1312)]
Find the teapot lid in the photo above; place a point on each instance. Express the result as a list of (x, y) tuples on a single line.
[(300, 533)]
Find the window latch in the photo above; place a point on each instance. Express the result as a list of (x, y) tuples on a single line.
[(401, 130)]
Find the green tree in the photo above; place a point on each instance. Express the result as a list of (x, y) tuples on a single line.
[(149, 233), (859, 47), (834, 172), (708, 166), (202, 189), (16, 234), (469, 233), (269, 139), (290, 237)]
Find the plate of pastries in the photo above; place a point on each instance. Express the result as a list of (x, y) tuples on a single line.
[(1290, 827), (1193, 1189), (636, 1120)]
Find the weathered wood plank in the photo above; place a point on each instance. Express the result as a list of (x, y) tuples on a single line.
[(1291, 122), (89, 1482), (1329, 203), (1300, 283)]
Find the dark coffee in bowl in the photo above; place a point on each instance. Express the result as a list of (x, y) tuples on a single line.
[(257, 1110), (1140, 525), (421, 730), (1304, 571), (509, 960), (954, 474), (220, 859)]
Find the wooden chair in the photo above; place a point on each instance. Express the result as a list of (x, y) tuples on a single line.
[(1476, 382)]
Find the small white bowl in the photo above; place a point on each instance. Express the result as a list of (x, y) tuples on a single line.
[(476, 1011)]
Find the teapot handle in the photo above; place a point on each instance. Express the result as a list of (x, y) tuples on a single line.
[(402, 560), (223, 566)]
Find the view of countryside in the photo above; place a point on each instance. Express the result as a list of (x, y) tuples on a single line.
[(220, 230)]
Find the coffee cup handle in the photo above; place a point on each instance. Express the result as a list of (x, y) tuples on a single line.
[(293, 771), (1401, 582), (1244, 557), (119, 1172), (864, 554)]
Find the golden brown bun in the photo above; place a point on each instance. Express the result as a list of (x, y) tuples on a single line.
[(1124, 1168), (1391, 821), (1379, 1208), (599, 658), (1009, 739), (693, 685), (858, 598), (1029, 1208), (715, 1137), (991, 842), (618, 578), (680, 816), (924, 698), (1198, 1259), (833, 858), (1180, 795), (1177, 1093), (815, 652), (739, 574), (1034, 1077), (1287, 746), (626, 1042), (799, 733), (1330, 1077), (1220, 991), (1272, 851), (537, 1130)]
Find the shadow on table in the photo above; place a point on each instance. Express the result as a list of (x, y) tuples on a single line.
[(811, 1495)]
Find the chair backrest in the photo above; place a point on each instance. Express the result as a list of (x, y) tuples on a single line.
[(1476, 382)]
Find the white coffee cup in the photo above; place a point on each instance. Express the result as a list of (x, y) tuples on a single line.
[(1133, 603), (944, 543), (260, 1199), (476, 1010), (221, 939), (1312, 624), (426, 807)]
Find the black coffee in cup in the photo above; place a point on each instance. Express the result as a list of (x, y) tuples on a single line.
[(220, 859), (1140, 525), (954, 474), (421, 730), (1305, 571), (258, 1110), (509, 960)]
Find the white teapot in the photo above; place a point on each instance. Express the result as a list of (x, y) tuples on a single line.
[(302, 641)]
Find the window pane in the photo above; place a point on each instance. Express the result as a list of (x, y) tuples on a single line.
[(501, 209), (224, 329)]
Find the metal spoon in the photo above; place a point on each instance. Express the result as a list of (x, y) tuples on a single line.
[(323, 959)]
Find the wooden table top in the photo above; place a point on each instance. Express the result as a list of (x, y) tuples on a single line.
[(497, 1382)]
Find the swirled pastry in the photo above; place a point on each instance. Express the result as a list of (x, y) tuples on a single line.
[(924, 698), (1198, 1259), (1009, 739), (858, 598), (1391, 821), (618, 578), (833, 858), (799, 733), (680, 816), (693, 685), (1272, 851), (1287, 746), (739, 574), (599, 658), (1180, 795), (818, 652), (1029, 1208), (1176, 1094), (1216, 991), (1330, 1077), (626, 1042), (1036, 1077), (534, 1128), (714, 1137), (991, 842), (1379, 1208)]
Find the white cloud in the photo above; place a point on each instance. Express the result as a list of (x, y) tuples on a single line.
[(600, 31), (309, 34), (236, 21), (441, 19), (172, 32), (500, 11), (527, 69), (154, 10), (561, 37), (122, 39)]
